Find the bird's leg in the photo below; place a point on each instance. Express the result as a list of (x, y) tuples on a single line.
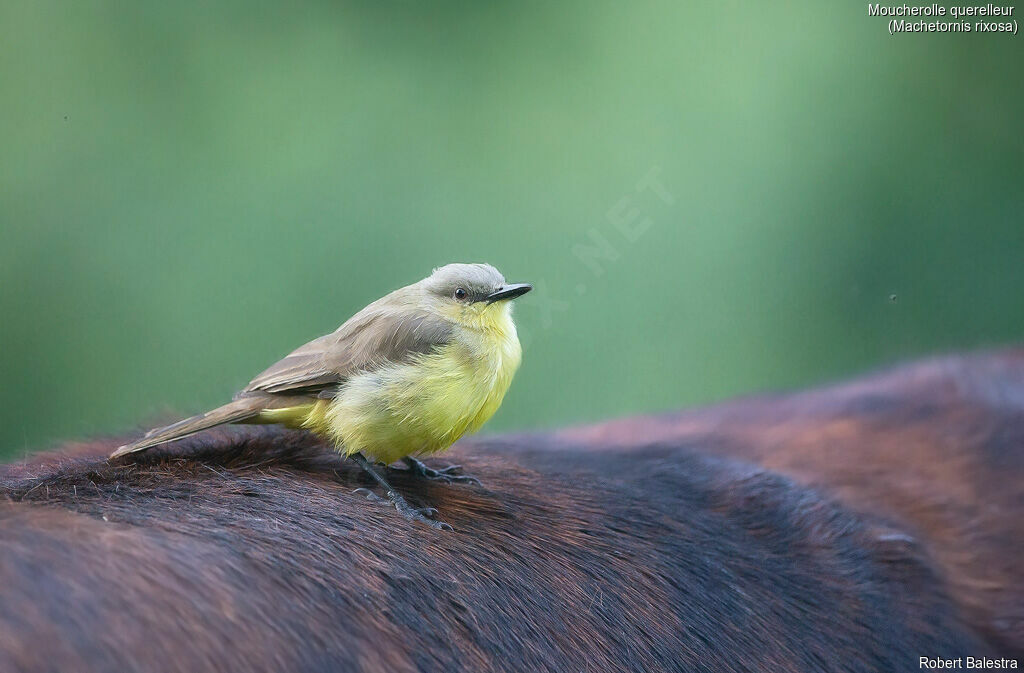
[(446, 474), (404, 508)]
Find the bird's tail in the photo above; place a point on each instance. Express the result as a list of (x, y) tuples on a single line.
[(242, 409)]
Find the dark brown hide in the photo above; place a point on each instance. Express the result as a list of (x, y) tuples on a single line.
[(855, 528)]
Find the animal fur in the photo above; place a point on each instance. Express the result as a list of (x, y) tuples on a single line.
[(853, 528)]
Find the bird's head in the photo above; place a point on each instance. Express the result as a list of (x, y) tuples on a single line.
[(473, 295)]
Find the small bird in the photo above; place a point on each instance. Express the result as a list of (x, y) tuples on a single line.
[(404, 377)]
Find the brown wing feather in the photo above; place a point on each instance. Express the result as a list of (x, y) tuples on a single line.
[(302, 368), (371, 338), (237, 411)]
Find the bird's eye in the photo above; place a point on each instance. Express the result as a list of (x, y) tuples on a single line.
[(460, 293)]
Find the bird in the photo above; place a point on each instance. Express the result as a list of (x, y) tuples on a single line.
[(406, 376)]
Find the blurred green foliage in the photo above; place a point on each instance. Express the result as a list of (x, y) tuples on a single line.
[(189, 190)]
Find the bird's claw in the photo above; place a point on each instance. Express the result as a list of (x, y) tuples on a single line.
[(447, 475), (421, 514), (450, 475), (369, 495), (460, 479)]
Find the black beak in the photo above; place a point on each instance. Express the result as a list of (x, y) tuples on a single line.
[(509, 292)]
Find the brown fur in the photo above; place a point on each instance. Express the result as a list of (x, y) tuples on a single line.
[(935, 447), (627, 546)]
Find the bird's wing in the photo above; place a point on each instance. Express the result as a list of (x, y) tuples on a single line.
[(370, 339)]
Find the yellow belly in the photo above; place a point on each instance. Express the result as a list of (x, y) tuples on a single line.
[(415, 408)]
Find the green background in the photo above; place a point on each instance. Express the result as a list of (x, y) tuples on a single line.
[(189, 190)]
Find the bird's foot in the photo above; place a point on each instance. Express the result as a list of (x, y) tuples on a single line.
[(421, 514), (448, 475)]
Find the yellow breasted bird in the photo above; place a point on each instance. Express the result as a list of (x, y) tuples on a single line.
[(406, 376)]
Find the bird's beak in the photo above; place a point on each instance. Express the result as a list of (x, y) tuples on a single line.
[(509, 292)]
